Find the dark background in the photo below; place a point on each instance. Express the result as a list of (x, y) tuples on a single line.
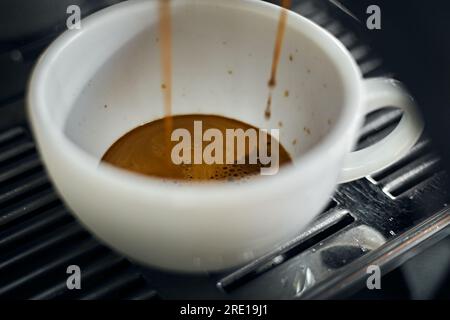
[(415, 41)]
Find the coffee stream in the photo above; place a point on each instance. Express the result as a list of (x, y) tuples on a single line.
[(286, 4), (147, 149), (165, 31)]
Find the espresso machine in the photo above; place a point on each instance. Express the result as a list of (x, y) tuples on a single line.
[(397, 219)]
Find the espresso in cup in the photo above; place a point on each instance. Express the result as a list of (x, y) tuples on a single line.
[(147, 150)]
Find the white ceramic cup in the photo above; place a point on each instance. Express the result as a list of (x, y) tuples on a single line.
[(95, 84)]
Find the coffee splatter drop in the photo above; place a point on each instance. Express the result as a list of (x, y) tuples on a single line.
[(307, 130), (268, 112)]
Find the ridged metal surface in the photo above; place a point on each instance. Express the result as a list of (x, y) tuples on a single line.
[(39, 239), (329, 224)]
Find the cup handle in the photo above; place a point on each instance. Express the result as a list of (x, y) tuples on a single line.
[(379, 93)]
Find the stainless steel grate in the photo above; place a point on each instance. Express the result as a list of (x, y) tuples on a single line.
[(39, 238), (325, 227), (410, 174)]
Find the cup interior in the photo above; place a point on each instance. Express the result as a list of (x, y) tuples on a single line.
[(222, 56)]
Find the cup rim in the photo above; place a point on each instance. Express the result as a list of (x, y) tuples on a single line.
[(347, 68)]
